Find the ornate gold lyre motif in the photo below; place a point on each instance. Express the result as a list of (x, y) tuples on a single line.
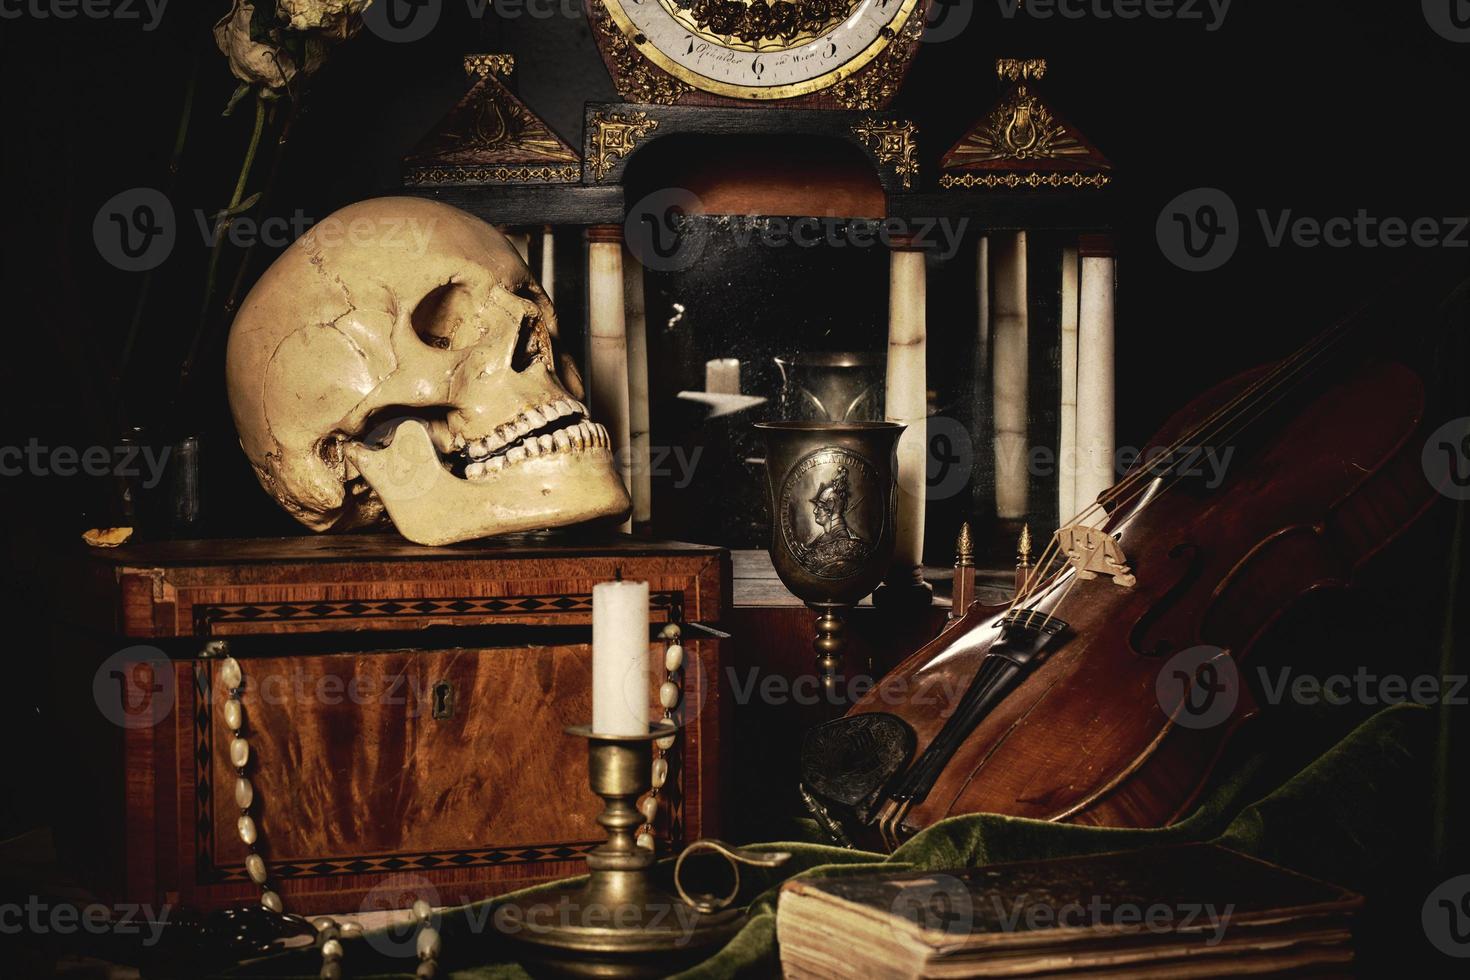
[(1093, 552)]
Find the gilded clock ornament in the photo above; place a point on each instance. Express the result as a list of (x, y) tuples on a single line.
[(757, 49), (492, 137), (757, 23), (1021, 69), (1021, 143), (1021, 128), (614, 134), (637, 78), (893, 144), (499, 65), (1030, 181), (876, 87)]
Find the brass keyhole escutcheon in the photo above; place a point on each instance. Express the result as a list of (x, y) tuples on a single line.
[(442, 700)]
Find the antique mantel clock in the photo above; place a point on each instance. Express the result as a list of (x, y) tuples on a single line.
[(849, 54), (706, 88)]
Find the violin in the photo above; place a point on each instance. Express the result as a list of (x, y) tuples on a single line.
[(1107, 691)]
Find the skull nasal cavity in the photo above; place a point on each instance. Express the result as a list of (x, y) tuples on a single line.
[(445, 318), (533, 344)]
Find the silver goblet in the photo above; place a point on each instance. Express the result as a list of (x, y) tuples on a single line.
[(833, 488)]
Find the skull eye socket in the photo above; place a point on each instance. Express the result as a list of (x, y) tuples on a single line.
[(445, 318)]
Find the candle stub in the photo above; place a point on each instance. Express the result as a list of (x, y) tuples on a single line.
[(722, 376), (620, 685)]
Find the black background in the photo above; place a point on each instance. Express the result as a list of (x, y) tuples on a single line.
[(1316, 107)]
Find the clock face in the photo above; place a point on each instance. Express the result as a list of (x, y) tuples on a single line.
[(752, 49)]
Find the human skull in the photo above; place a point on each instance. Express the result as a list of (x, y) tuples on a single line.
[(397, 360)]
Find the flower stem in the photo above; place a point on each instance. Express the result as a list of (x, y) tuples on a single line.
[(222, 228), (292, 109)]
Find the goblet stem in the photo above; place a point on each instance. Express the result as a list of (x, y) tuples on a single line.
[(828, 643)]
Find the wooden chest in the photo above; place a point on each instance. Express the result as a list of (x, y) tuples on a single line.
[(405, 708)]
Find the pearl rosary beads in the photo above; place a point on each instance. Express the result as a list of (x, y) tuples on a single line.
[(669, 696)]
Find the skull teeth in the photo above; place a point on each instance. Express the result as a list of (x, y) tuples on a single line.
[(489, 454)]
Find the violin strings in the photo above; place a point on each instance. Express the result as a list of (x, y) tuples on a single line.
[(1273, 382), (1245, 417), (1268, 382)]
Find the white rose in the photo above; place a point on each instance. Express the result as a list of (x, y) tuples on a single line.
[(252, 61), (331, 17)]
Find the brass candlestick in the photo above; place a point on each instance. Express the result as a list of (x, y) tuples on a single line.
[(620, 922)]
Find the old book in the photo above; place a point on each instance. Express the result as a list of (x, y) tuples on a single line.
[(1192, 910)]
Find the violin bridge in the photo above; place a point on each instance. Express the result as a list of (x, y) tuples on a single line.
[(1094, 552)]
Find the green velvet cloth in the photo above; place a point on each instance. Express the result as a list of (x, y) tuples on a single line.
[(1349, 816)]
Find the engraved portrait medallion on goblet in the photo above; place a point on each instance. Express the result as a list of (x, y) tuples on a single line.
[(833, 489)]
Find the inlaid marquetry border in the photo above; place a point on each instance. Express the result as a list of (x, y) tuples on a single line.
[(457, 607), (204, 765), (428, 861)]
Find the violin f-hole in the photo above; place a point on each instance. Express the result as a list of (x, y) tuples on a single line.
[(1163, 646)]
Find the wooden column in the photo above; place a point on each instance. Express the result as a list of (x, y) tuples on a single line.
[(640, 465), (1009, 372), (1095, 353), (1067, 460), (908, 402), (607, 343)]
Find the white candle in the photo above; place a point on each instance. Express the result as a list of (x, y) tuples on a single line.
[(722, 376), (620, 687)]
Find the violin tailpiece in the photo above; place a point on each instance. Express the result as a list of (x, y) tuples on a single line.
[(1025, 633)]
